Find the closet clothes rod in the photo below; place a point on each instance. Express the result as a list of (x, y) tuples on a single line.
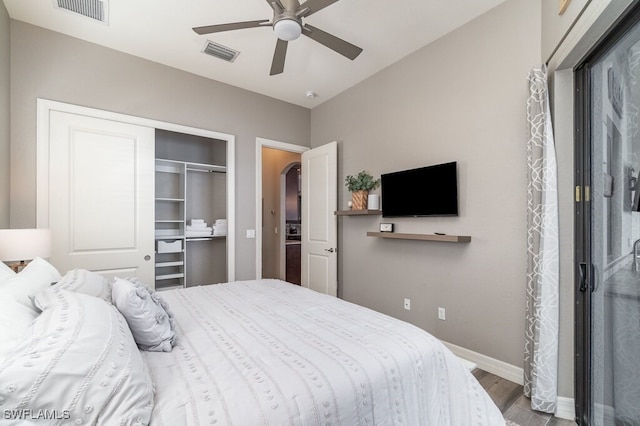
[(204, 171)]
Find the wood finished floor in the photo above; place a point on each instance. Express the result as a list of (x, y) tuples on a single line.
[(510, 399)]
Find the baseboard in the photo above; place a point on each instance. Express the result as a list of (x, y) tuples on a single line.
[(491, 365), (565, 408)]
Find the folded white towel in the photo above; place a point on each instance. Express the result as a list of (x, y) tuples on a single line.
[(199, 228), (197, 221), (199, 225)]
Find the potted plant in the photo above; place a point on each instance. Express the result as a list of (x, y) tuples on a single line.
[(359, 186)]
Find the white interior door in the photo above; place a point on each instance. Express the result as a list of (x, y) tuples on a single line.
[(319, 222), (101, 195)]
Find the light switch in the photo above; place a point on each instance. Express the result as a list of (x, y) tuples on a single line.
[(251, 233)]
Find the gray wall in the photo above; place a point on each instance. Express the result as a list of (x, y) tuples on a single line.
[(462, 98), (53, 66), (5, 115)]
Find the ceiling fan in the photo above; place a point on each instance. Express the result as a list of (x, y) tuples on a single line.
[(287, 25)]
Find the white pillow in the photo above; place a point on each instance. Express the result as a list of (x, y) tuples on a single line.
[(149, 319), (86, 282), (15, 319), (79, 358), (38, 275), (5, 272)]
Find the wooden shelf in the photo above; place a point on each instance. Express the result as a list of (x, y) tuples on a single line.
[(358, 212), (422, 237)]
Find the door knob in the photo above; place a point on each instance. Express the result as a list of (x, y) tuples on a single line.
[(147, 258), (330, 250)]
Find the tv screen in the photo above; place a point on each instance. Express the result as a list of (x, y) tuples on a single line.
[(426, 191)]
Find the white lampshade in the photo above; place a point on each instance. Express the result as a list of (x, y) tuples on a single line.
[(287, 29), (24, 244)]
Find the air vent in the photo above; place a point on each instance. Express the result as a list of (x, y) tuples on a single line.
[(94, 9), (219, 51)]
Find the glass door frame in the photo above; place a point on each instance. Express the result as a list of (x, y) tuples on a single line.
[(584, 273)]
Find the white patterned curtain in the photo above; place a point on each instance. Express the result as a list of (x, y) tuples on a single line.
[(541, 336)]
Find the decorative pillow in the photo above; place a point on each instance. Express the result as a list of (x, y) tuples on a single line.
[(79, 361), (15, 319), (148, 316), (86, 282), (5, 272), (38, 275)]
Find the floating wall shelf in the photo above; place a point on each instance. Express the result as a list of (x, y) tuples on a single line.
[(422, 237), (358, 212)]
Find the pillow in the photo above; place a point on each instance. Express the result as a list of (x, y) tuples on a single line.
[(86, 282), (78, 360), (38, 275), (5, 272), (15, 319), (149, 319)]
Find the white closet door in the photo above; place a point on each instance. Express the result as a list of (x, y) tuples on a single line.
[(101, 196), (319, 261)]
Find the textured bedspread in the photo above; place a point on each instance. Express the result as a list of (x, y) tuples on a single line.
[(267, 352)]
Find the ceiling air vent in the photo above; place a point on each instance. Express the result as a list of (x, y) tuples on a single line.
[(94, 9), (221, 52)]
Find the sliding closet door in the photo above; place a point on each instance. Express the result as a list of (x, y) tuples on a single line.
[(101, 195), (608, 217)]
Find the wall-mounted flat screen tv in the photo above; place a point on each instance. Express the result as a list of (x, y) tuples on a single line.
[(426, 191)]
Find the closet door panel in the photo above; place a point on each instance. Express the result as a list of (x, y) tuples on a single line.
[(101, 195)]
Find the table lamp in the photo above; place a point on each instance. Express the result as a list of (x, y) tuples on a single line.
[(19, 246)]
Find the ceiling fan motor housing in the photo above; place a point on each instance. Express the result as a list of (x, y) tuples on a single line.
[(286, 23), (287, 29)]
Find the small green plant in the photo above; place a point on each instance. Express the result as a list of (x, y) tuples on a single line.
[(363, 181)]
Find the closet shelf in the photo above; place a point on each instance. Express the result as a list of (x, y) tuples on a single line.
[(168, 287), (422, 237), (169, 264), (213, 237), (358, 212), (169, 276)]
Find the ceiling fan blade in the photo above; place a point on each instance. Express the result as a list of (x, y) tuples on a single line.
[(229, 27), (332, 42), (276, 5), (312, 6), (277, 66)]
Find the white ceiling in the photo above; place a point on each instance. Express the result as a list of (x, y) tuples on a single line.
[(160, 30)]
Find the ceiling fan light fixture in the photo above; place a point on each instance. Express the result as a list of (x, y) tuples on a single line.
[(287, 29)]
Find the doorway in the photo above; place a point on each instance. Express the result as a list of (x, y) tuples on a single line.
[(608, 229), (277, 227), (291, 222), (273, 160)]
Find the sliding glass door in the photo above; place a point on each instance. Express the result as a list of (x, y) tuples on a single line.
[(608, 220)]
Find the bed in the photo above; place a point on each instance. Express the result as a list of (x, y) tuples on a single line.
[(260, 352)]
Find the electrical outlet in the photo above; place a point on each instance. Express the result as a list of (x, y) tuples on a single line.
[(407, 304), (441, 314)]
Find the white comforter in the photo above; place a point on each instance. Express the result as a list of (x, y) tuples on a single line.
[(268, 352)]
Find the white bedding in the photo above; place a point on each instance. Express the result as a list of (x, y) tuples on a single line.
[(268, 352)]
